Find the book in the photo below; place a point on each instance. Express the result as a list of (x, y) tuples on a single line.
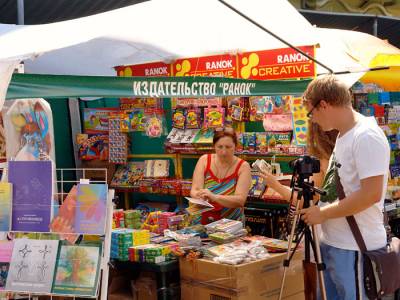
[(198, 206), (77, 270), (32, 195), (32, 266), (92, 146), (64, 222), (91, 208), (261, 165), (128, 175), (6, 248), (258, 186), (5, 205), (96, 119), (271, 244)]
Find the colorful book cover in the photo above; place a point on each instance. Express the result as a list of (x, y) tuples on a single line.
[(198, 206), (92, 146), (5, 205), (128, 175), (32, 195), (96, 119), (32, 266), (300, 122), (91, 207), (77, 271), (64, 222), (6, 249), (258, 186)]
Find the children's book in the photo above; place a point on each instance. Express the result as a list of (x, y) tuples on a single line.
[(64, 222), (128, 175), (258, 186), (6, 248), (32, 265), (96, 119), (32, 195), (5, 205), (198, 206), (92, 146), (77, 271), (91, 209)]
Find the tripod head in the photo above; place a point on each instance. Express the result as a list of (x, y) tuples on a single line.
[(303, 168)]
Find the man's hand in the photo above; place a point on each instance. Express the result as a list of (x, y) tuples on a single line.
[(312, 215)]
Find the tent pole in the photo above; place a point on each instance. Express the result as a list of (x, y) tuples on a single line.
[(375, 27), (21, 12), (275, 36), (75, 124)]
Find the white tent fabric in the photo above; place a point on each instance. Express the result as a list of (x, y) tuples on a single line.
[(154, 31)]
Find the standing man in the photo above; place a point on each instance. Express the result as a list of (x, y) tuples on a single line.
[(361, 157)]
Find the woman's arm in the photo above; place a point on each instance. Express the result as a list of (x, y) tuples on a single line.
[(286, 191), (274, 184), (242, 190), (198, 177)]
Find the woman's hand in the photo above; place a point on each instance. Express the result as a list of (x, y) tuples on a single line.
[(207, 195), (269, 178)]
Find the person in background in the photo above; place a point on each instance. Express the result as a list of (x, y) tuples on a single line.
[(222, 179), (319, 144), (361, 159)]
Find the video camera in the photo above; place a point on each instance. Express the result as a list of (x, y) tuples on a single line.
[(305, 165)]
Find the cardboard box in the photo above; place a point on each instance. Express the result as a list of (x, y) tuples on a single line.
[(120, 288), (205, 279), (146, 287), (191, 292)]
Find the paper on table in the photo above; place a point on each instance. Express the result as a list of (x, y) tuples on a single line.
[(199, 202)]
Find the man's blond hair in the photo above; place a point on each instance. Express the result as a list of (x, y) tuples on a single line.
[(330, 89)]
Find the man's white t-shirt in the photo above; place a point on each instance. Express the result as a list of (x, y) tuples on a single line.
[(360, 153)]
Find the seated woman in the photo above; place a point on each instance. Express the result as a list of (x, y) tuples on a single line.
[(222, 179)]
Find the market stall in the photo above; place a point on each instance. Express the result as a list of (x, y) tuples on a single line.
[(153, 164)]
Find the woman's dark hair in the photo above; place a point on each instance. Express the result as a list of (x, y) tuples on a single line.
[(226, 132)]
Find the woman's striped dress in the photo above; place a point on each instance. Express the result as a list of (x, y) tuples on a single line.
[(225, 186)]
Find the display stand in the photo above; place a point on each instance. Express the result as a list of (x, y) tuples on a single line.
[(69, 177)]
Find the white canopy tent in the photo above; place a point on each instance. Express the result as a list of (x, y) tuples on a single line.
[(157, 30), (161, 30)]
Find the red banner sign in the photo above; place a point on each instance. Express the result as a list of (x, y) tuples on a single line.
[(218, 65), (155, 69), (276, 64)]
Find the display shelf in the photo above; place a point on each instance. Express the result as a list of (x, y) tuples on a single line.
[(177, 159), (65, 178)]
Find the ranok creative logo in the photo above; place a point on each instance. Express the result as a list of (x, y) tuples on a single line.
[(183, 68), (249, 63)]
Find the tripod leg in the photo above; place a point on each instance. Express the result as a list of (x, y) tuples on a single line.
[(286, 262), (318, 259), (319, 262)]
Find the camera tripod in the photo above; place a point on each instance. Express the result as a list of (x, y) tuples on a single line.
[(305, 190)]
